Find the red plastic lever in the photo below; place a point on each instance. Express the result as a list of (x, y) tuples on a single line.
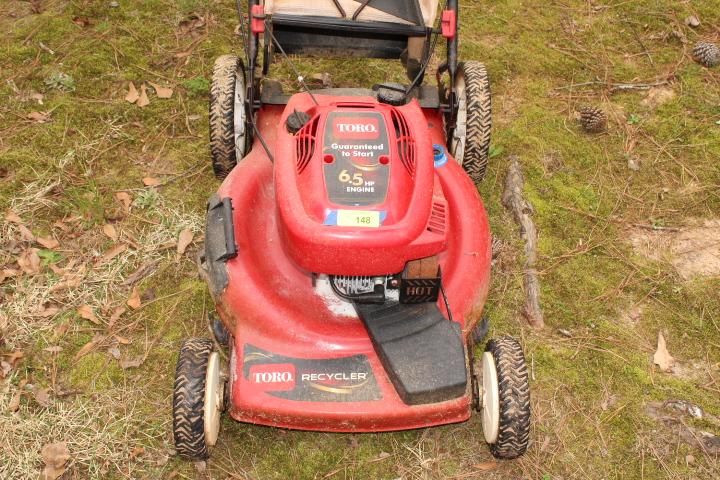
[(257, 19), (449, 23)]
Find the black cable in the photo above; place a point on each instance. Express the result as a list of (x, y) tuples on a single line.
[(445, 300), (437, 29), (292, 65)]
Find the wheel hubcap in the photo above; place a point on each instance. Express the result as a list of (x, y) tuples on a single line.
[(213, 399), (457, 143), (490, 399), (239, 115)]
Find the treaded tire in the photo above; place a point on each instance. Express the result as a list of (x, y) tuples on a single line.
[(476, 152), (222, 114), (514, 393), (188, 399)]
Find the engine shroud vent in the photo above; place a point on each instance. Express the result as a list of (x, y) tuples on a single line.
[(405, 142), (305, 140), (352, 285), (438, 217)]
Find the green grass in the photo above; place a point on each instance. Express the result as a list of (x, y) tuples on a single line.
[(586, 202)]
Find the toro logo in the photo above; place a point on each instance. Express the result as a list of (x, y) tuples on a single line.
[(274, 377), (366, 128)]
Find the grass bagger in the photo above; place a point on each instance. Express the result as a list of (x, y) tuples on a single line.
[(347, 250)]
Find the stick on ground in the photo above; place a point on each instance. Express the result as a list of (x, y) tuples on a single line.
[(522, 211)]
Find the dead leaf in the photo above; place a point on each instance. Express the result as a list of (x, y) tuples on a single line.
[(48, 312), (486, 466), (42, 397), (85, 349), (81, 21), (184, 240), (143, 100), (162, 92), (662, 357), (117, 313), (150, 181), (47, 242), (55, 456), (110, 232), (25, 234), (142, 271), (125, 200), (136, 452), (657, 96), (14, 404), (134, 301), (132, 362), (122, 340), (132, 95), (39, 117), (114, 352), (86, 312), (112, 253), (54, 349), (29, 261), (13, 217)]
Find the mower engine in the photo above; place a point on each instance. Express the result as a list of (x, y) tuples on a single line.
[(357, 195)]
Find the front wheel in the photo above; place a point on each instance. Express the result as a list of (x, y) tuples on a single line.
[(197, 399), (469, 141), (505, 398)]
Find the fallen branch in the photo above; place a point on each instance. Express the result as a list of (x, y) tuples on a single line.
[(522, 211)]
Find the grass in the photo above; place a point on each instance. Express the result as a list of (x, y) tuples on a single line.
[(590, 389)]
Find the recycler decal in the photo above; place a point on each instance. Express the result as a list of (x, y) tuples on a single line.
[(347, 379)]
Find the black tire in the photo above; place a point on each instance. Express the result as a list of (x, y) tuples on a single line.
[(475, 155), (188, 399), (514, 394), (223, 152)]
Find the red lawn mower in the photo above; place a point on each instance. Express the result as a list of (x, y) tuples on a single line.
[(347, 249)]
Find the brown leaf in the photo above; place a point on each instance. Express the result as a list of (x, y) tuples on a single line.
[(117, 313), (39, 117), (486, 466), (132, 95), (125, 200), (48, 312), (132, 362), (14, 404), (47, 242), (184, 239), (162, 92), (81, 21), (122, 340), (134, 301), (143, 100), (662, 357), (55, 456), (53, 349), (112, 253), (151, 181), (13, 217), (110, 232), (29, 261), (42, 397), (25, 234), (86, 312), (142, 271), (85, 349)]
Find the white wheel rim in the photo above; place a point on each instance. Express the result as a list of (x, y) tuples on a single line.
[(213, 399), (490, 399), (239, 115), (457, 143)]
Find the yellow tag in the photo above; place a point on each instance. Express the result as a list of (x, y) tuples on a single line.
[(358, 218)]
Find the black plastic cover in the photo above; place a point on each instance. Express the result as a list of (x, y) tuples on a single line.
[(219, 242), (421, 351)]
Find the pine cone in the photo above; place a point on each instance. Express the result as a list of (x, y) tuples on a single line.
[(593, 120), (706, 53)]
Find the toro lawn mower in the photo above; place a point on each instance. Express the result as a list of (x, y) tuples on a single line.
[(347, 249)]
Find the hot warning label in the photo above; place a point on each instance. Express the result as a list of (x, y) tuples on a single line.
[(356, 154)]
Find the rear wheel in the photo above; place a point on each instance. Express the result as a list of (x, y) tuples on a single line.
[(197, 399), (229, 138), (505, 398), (470, 139)]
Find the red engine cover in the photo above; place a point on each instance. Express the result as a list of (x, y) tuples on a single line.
[(358, 177)]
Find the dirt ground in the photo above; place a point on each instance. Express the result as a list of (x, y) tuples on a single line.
[(102, 203)]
